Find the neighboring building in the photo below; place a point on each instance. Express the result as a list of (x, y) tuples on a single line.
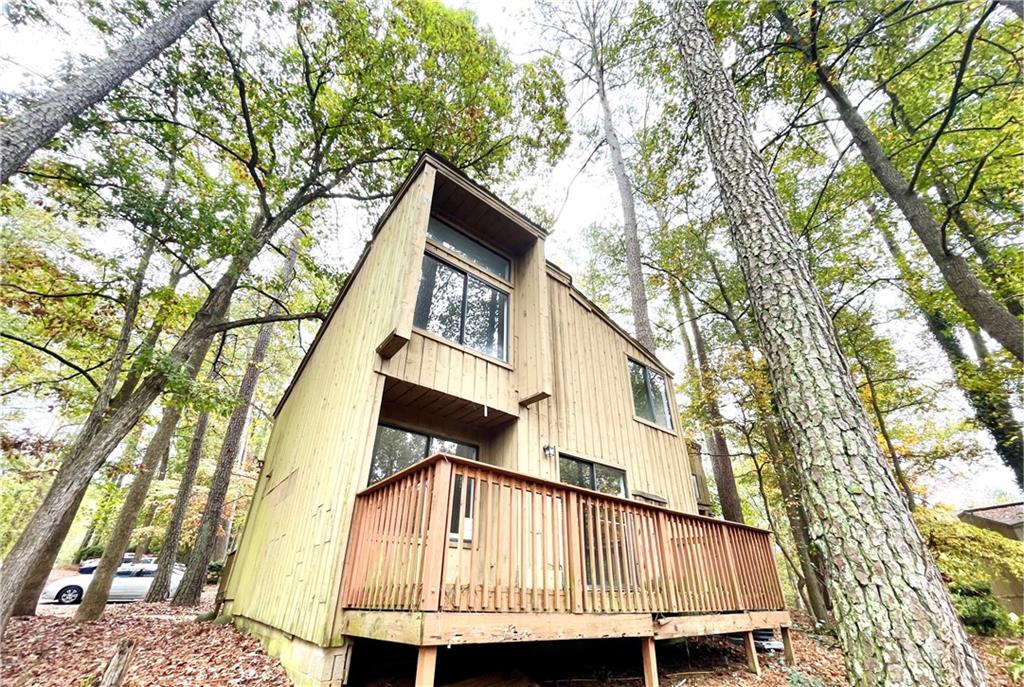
[(1007, 520), (472, 451)]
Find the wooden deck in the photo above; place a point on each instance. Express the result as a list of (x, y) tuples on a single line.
[(452, 551), (450, 534)]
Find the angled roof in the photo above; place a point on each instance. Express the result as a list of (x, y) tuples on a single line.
[(1011, 514)]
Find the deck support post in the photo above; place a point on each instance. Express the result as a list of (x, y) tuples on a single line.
[(787, 646), (426, 662), (650, 662), (748, 644)]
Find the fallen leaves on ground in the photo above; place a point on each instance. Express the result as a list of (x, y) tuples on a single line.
[(171, 650)]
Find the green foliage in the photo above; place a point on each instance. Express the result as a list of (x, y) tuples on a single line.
[(794, 678), (214, 571), (1014, 656), (978, 609), (89, 552), (968, 555)]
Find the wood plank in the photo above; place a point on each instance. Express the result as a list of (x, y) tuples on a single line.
[(719, 623), (436, 539), (487, 628), (426, 664), (751, 648), (404, 627), (650, 661), (787, 646)]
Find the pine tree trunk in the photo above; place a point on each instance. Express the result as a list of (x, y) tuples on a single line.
[(989, 314), (160, 588), (26, 133), (991, 402), (718, 448), (95, 599), (630, 232), (896, 623), (191, 586)]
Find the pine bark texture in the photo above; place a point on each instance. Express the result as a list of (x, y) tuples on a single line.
[(191, 586), (989, 314), (718, 448), (160, 588), (25, 134), (896, 623)]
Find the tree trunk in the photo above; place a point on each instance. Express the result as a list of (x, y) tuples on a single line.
[(989, 314), (113, 553), (191, 586), (896, 623), (718, 448), (142, 547), (159, 589), (991, 402), (26, 133), (630, 233), (25, 575), (95, 444)]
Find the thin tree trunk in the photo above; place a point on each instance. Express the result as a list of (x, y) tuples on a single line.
[(883, 429), (24, 577), (94, 446), (142, 547), (630, 233), (159, 589), (989, 314), (812, 578), (26, 133), (896, 623), (991, 402), (191, 586), (95, 598), (718, 448)]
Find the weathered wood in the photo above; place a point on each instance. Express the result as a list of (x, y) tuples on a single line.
[(426, 664), (787, 646), (488, 628), (117, 669), (716, 624), (650, 662), (748, 644)]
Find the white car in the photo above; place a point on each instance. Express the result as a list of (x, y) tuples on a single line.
[(130, 584)]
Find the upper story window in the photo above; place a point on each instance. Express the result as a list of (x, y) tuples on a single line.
[(468, 249), (396, 449), (590, 475), (650, 394), (462, 308)]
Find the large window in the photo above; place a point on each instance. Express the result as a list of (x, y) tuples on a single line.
[(590, 475), (462, 308), (396, 449), (466, 248), (650, 394)]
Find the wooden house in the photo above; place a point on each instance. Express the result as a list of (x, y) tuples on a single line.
[(473, 452)]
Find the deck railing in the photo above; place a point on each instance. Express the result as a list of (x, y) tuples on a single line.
[(457, 535)]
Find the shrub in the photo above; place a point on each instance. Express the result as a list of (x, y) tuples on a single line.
[(798, 679), (87, 552), (978, 609), (213, 571), (1014, 656)]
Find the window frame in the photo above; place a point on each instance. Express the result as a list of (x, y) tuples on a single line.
[(469, 272), (593, 465), (422, 433), (648, 369), (451, 256)]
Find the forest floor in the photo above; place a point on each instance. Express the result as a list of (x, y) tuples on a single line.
[(50, 649)]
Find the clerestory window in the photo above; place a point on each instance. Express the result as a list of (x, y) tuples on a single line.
[(650, 394)]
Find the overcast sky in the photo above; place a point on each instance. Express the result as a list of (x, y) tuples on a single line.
[(29, 56)]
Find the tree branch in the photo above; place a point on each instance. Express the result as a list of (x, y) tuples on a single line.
[(54, 355), (267, 319)]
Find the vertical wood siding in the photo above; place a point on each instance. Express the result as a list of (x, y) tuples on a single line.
[(287, 572), (590, 413)]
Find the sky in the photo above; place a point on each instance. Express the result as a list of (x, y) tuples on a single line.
[(581, 199)]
